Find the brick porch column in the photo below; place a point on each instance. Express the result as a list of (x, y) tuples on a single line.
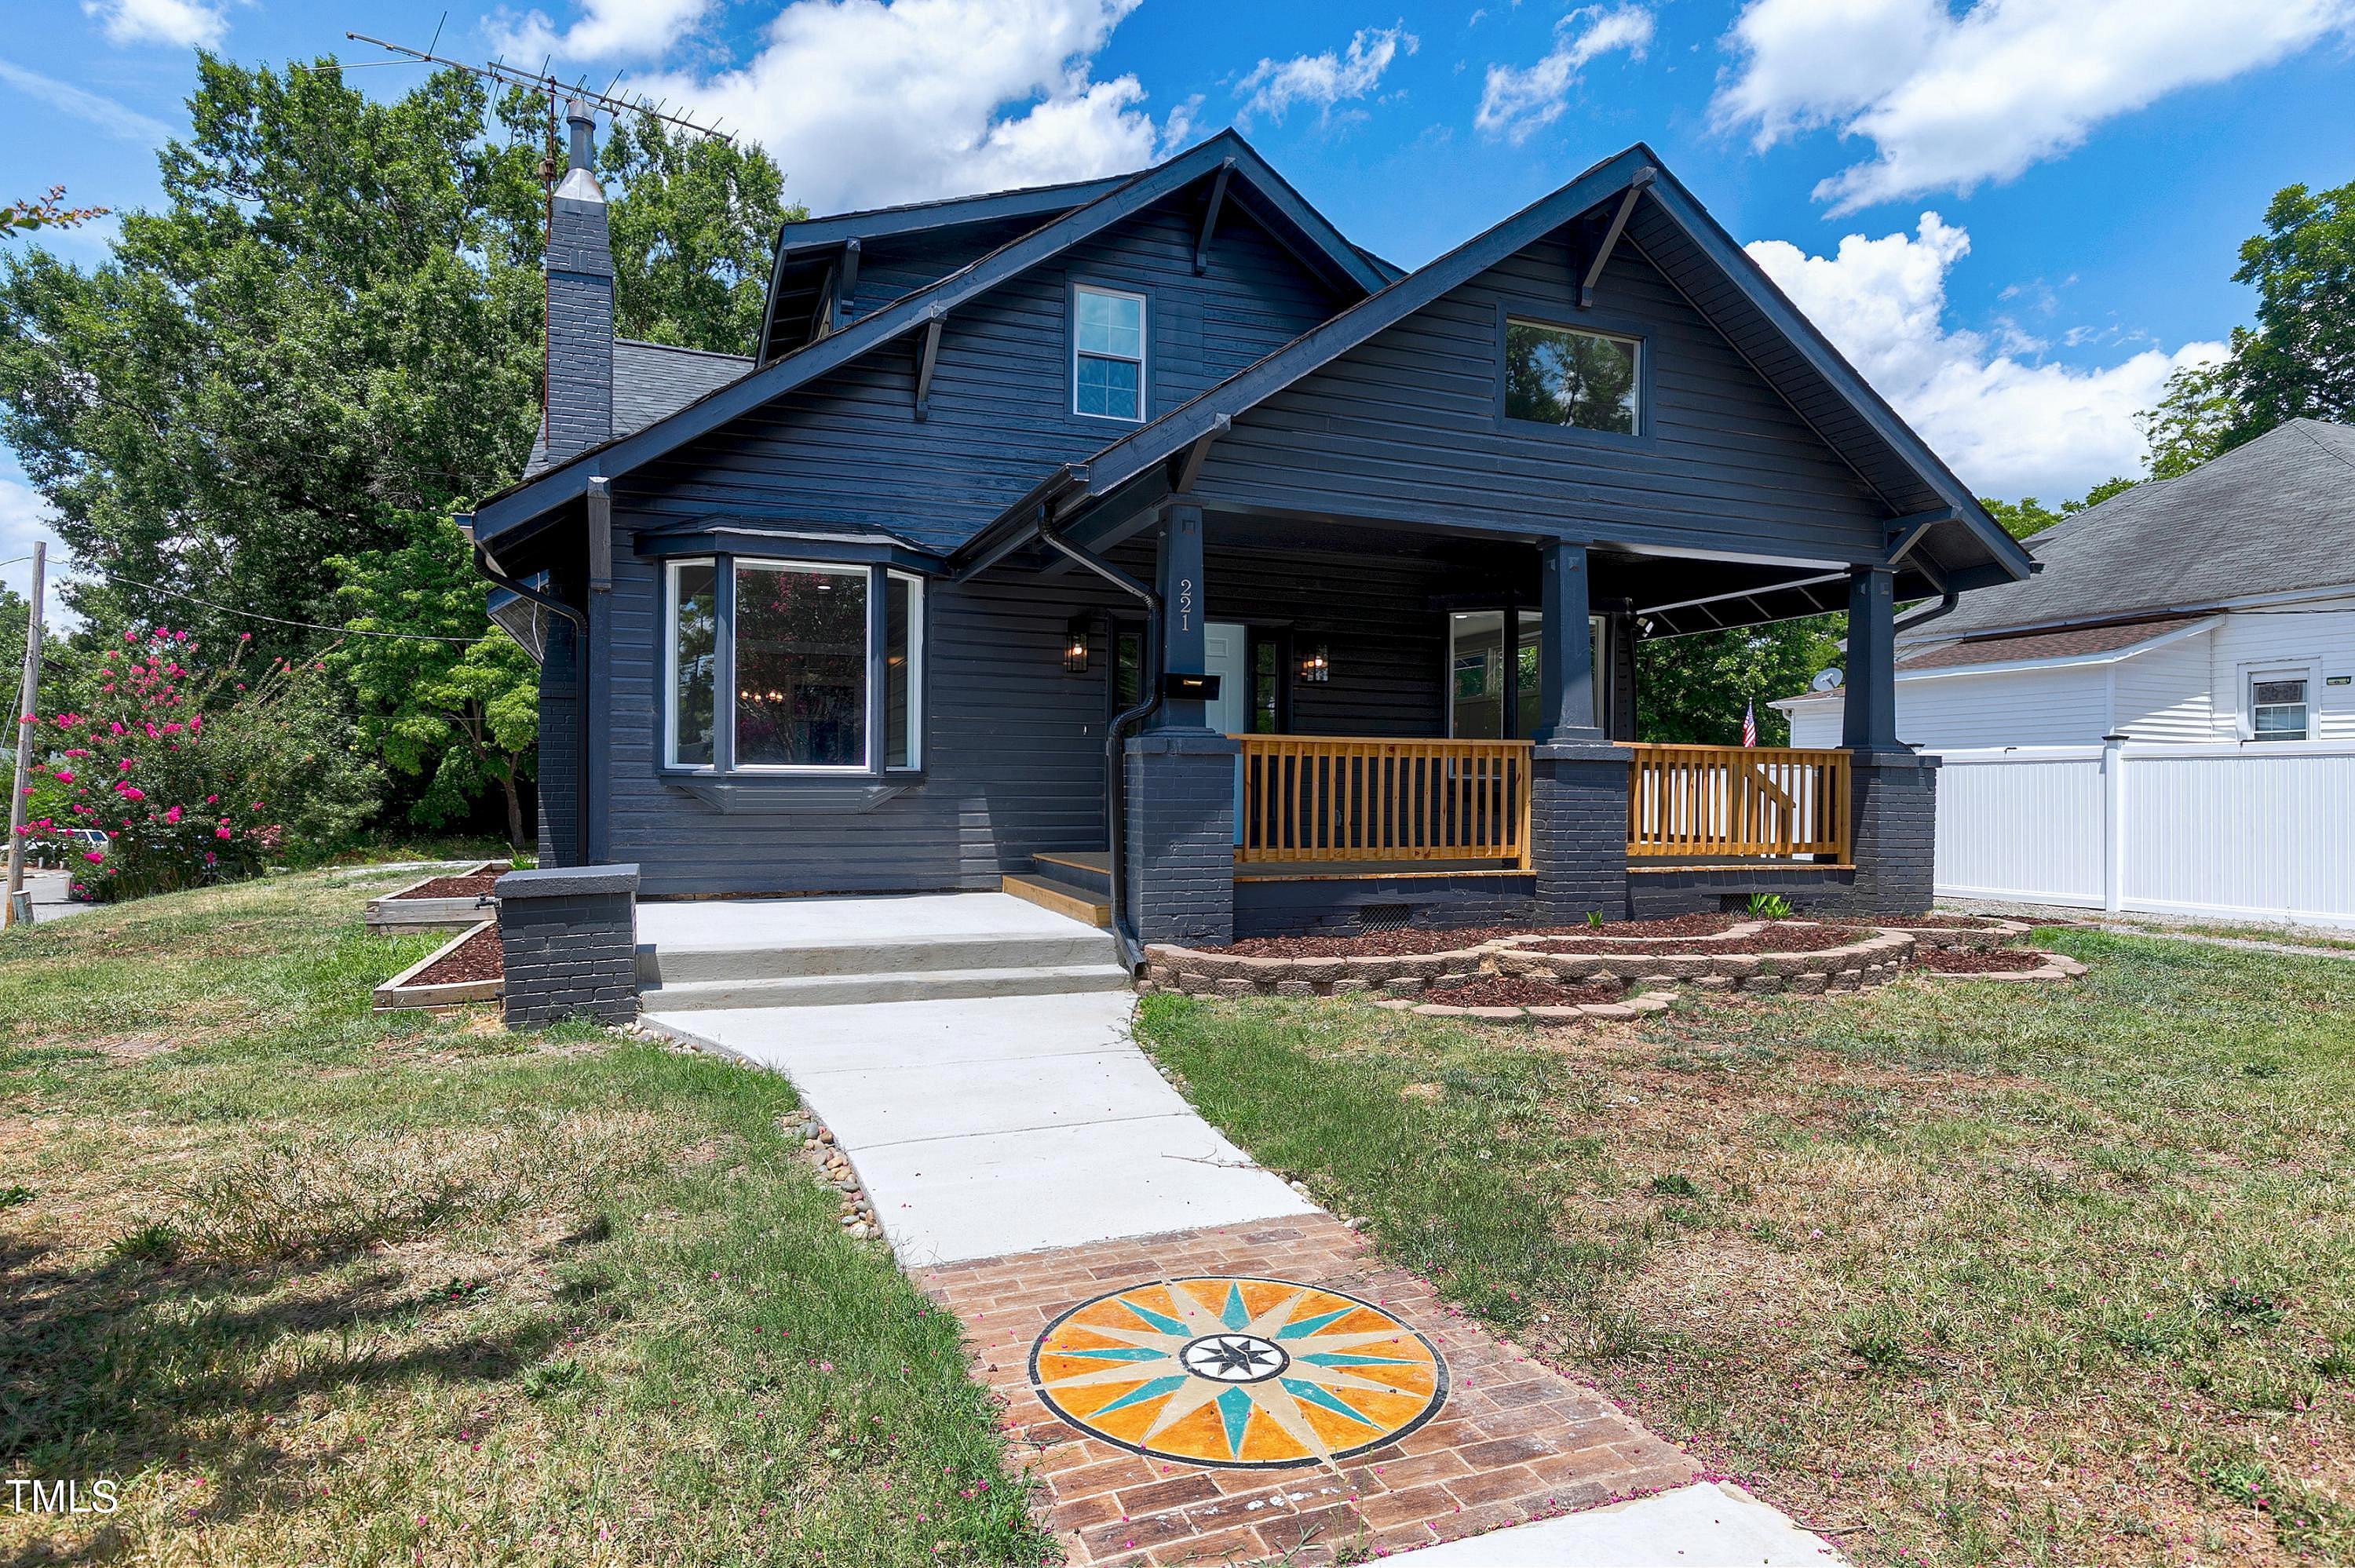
[(1180, 845), (1894, 830), (568, 944), (1578, 832)]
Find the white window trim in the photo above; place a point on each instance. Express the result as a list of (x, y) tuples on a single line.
[(915, 672), (2254, 670), (1144, 348), (1636, 348), (864, 764), (720, 707)]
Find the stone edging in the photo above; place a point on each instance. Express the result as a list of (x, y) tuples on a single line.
[(1876, 960), (1577, 1013), (2057, 965), (1409, 975), (1978, 940)]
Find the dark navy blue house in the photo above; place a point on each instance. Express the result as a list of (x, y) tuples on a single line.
[(1144, 547)]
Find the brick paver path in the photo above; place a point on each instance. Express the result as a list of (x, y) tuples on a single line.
[(1514, 1441)]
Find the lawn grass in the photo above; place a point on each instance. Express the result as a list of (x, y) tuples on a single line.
[(313, 1285), (1966, 1272)]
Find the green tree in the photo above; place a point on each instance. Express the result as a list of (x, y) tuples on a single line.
[(692, 232), (1693, 689), (463, 713), (2297, 362), (2028, 515)]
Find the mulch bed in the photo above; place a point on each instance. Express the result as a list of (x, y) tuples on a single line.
[(1773, 938), (475, 958), (478, 887), (1514, 990), (1414, 939), (1977, 961)]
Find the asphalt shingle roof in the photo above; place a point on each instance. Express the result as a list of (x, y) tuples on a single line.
[(653, 381), (2274, 516)]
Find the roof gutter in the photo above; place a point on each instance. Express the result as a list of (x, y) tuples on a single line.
[(1132, 949), (489, 568)]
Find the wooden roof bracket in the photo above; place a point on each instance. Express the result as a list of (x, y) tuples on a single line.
[(1189, 467), (822, 312), (1635, 184), (1211, 216), (928, 349), (846, 280), (1904, 533)]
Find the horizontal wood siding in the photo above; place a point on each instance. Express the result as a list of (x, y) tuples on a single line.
[(1405, 426), (848, 446), (1387, 643)]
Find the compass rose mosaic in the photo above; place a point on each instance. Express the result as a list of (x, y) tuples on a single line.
[(1237, 1371)]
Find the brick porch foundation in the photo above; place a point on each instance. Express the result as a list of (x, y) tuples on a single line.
[(1512, 1441)]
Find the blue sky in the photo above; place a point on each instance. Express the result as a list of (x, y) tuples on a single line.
[(2015, 219)]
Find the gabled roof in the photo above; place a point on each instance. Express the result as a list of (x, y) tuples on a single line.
[(2076, 646), (2277, 515), (535, 496), (653, 381), (1704, 262)]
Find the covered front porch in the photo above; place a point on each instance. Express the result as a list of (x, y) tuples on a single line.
[(1332, 726)]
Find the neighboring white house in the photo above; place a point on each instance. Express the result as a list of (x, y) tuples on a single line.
[(2164, 716)]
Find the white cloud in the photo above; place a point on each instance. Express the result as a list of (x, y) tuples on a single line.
[(1518, 101), (2009, 426), (1275, 86), (82, 104), (607, 30), (184, 23), (867, 103), (1950, 102)]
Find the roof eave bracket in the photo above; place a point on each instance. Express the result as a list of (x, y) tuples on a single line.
[(1210, 216), (1635, 184), (928, 351), (1188, 468)]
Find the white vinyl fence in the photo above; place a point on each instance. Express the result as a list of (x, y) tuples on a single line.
[(2249, 832)]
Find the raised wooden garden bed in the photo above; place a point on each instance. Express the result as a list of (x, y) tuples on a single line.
[(446, 901), (465, 968)]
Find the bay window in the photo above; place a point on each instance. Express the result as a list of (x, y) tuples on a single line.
[(782, 667)]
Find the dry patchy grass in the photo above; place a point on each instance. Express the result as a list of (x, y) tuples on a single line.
[(1968, 1275)]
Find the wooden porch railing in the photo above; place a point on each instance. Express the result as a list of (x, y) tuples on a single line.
[(1307, 798), (1707, 801)]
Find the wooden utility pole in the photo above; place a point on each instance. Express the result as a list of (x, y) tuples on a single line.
[(27, 697)]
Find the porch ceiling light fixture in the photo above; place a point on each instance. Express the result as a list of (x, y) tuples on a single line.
[(1075, 646), (1315, 668)]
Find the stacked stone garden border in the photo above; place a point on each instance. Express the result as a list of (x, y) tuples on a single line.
[(1994, 933), (1700, 961), (2056, 967), (1407, 975)]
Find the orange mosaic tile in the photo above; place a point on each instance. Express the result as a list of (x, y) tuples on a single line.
[(1162, 1394)]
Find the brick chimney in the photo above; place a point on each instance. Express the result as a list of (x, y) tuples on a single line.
[(580, 407)]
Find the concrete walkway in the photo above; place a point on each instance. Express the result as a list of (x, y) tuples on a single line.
[(1027, 1161)]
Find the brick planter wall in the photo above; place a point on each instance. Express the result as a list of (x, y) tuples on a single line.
[(1182, 837), (1578, 832), (569, 943)]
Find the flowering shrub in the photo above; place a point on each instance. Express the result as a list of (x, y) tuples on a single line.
[(196, 776)]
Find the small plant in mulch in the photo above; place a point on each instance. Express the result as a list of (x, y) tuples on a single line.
[(1769, 906), (1977, 960)]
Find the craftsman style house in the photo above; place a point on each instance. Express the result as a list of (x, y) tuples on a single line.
[(1144, 547)]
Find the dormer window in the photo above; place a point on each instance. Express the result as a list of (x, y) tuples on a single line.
[(1108, 354)]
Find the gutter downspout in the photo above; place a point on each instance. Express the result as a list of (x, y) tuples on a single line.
[(1944, 607), (1132, 949), (489, 570)]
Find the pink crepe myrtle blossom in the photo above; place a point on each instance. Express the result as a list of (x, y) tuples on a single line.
[(93, 856), (220, 832), (64, 776)]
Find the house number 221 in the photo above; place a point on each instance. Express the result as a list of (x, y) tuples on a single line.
[(1185, 604)]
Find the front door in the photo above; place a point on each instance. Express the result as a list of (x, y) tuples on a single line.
[(1226, 653)]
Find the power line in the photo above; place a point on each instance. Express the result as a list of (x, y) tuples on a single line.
[(281, 620)]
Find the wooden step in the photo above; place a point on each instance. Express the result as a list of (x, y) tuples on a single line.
[(1062, 900)]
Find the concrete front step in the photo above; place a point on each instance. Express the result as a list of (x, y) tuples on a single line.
[(900, 985), (672, 966)]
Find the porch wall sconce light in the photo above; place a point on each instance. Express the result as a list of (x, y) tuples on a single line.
[(1075, 646), (1314, 667)]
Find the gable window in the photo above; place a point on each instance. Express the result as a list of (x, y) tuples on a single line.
[(792, 667), (1569, 376), (2277, 705), (1107, 353)]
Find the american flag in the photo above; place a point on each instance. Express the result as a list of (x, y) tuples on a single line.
[(1750, 725)]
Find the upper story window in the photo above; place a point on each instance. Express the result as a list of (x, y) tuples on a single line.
[(793, 666), (1566, 375), (2277, 707), (1107, 353)]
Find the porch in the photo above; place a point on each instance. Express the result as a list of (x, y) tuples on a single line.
[(1356, 833)]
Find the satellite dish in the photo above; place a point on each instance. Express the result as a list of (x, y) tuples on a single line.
[(1824, 681)]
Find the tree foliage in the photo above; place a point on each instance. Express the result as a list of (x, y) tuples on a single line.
[(332, 330), (463, 715), (2297, 362), (2028, 515), (1693, 690)]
